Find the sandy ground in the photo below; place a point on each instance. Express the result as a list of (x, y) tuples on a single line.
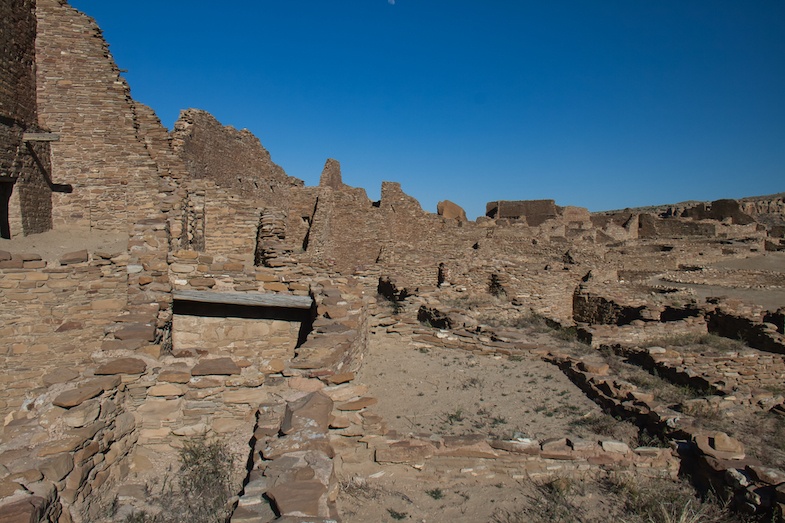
[(51, 245), (424, 389)]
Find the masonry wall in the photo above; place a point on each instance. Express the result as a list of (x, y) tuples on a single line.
[(25, 197), (82, 96)]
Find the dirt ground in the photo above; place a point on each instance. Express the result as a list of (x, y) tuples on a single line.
[(51, 245), (429, 390)]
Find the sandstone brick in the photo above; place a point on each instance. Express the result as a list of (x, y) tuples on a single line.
[(122, 366), (74, 397)]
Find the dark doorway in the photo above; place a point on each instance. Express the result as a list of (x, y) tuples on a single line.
[(5, 196)]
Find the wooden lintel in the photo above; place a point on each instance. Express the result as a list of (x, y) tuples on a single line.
[(8, 179), (245, 298), (41, 137)]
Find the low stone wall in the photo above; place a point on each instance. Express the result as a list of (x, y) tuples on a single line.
[(748, 377), (714, 456)]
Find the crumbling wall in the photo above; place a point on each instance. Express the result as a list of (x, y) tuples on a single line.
[(229, 157)]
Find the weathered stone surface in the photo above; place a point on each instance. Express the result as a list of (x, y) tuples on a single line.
[(74, 257), (300, 498), (122, 366), (357, 404), (521, 446), (81, 415), (59, 375), (252, 396), (175, 376), (57, 467), (166, 389), (311, 411), (215, 366), (451, 211), (733, 449), (137, 331), (74, 397), (406, 451), (337, 379)]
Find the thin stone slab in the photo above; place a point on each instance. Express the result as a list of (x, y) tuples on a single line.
[(253, 299), (72, 398), (122, 366), (216, 367)]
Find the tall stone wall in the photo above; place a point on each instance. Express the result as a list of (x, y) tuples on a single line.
[(229, 157), (82, 96), (25, 196)]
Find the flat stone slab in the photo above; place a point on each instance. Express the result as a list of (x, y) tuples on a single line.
[(299, 498), (72, 398), (254, 299), (136, 332), (74, 257), (216, 366), (122, 366)]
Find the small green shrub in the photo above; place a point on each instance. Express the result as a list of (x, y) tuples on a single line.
[(436, 493)]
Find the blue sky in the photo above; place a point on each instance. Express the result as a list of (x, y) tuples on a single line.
[(601, 104)]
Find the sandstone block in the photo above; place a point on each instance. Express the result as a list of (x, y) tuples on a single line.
[(166, 389), (357, 404), (72, 398), (300, 498), (83, 414), (56, 468), (311, 411), (405, 452), (122, 366), (175, 376), (59, 375), (137, 331), (248, 396), (108, 304), (74, 257), (215, 366)]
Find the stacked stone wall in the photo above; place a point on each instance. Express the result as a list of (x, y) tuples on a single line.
[(54, 317), (83, 98), (26, 205)]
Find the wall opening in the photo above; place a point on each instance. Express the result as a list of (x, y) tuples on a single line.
[(255, 332), (6, 189)]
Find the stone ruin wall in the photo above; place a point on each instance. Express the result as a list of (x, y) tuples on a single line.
[(98, 309), (83, 98), (24, 166)]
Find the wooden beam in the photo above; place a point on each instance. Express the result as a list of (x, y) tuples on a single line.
[(41, 137), (8, 179), (256, 299)]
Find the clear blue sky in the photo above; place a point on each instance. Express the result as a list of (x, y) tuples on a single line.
[(603, 104)]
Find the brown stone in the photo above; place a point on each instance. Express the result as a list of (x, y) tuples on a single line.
[(311, 411), (708, 446), (74, 257), (175, 376), (357, 404), (405, 452), (451, 211), (57, 467), (202, 282), (74, 397), (519, 446), (122, 366), (215, 366), (83, 414), (299, 498), (138, 331), (337, 379), (59, 375), (69, 326), (27, 510)]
